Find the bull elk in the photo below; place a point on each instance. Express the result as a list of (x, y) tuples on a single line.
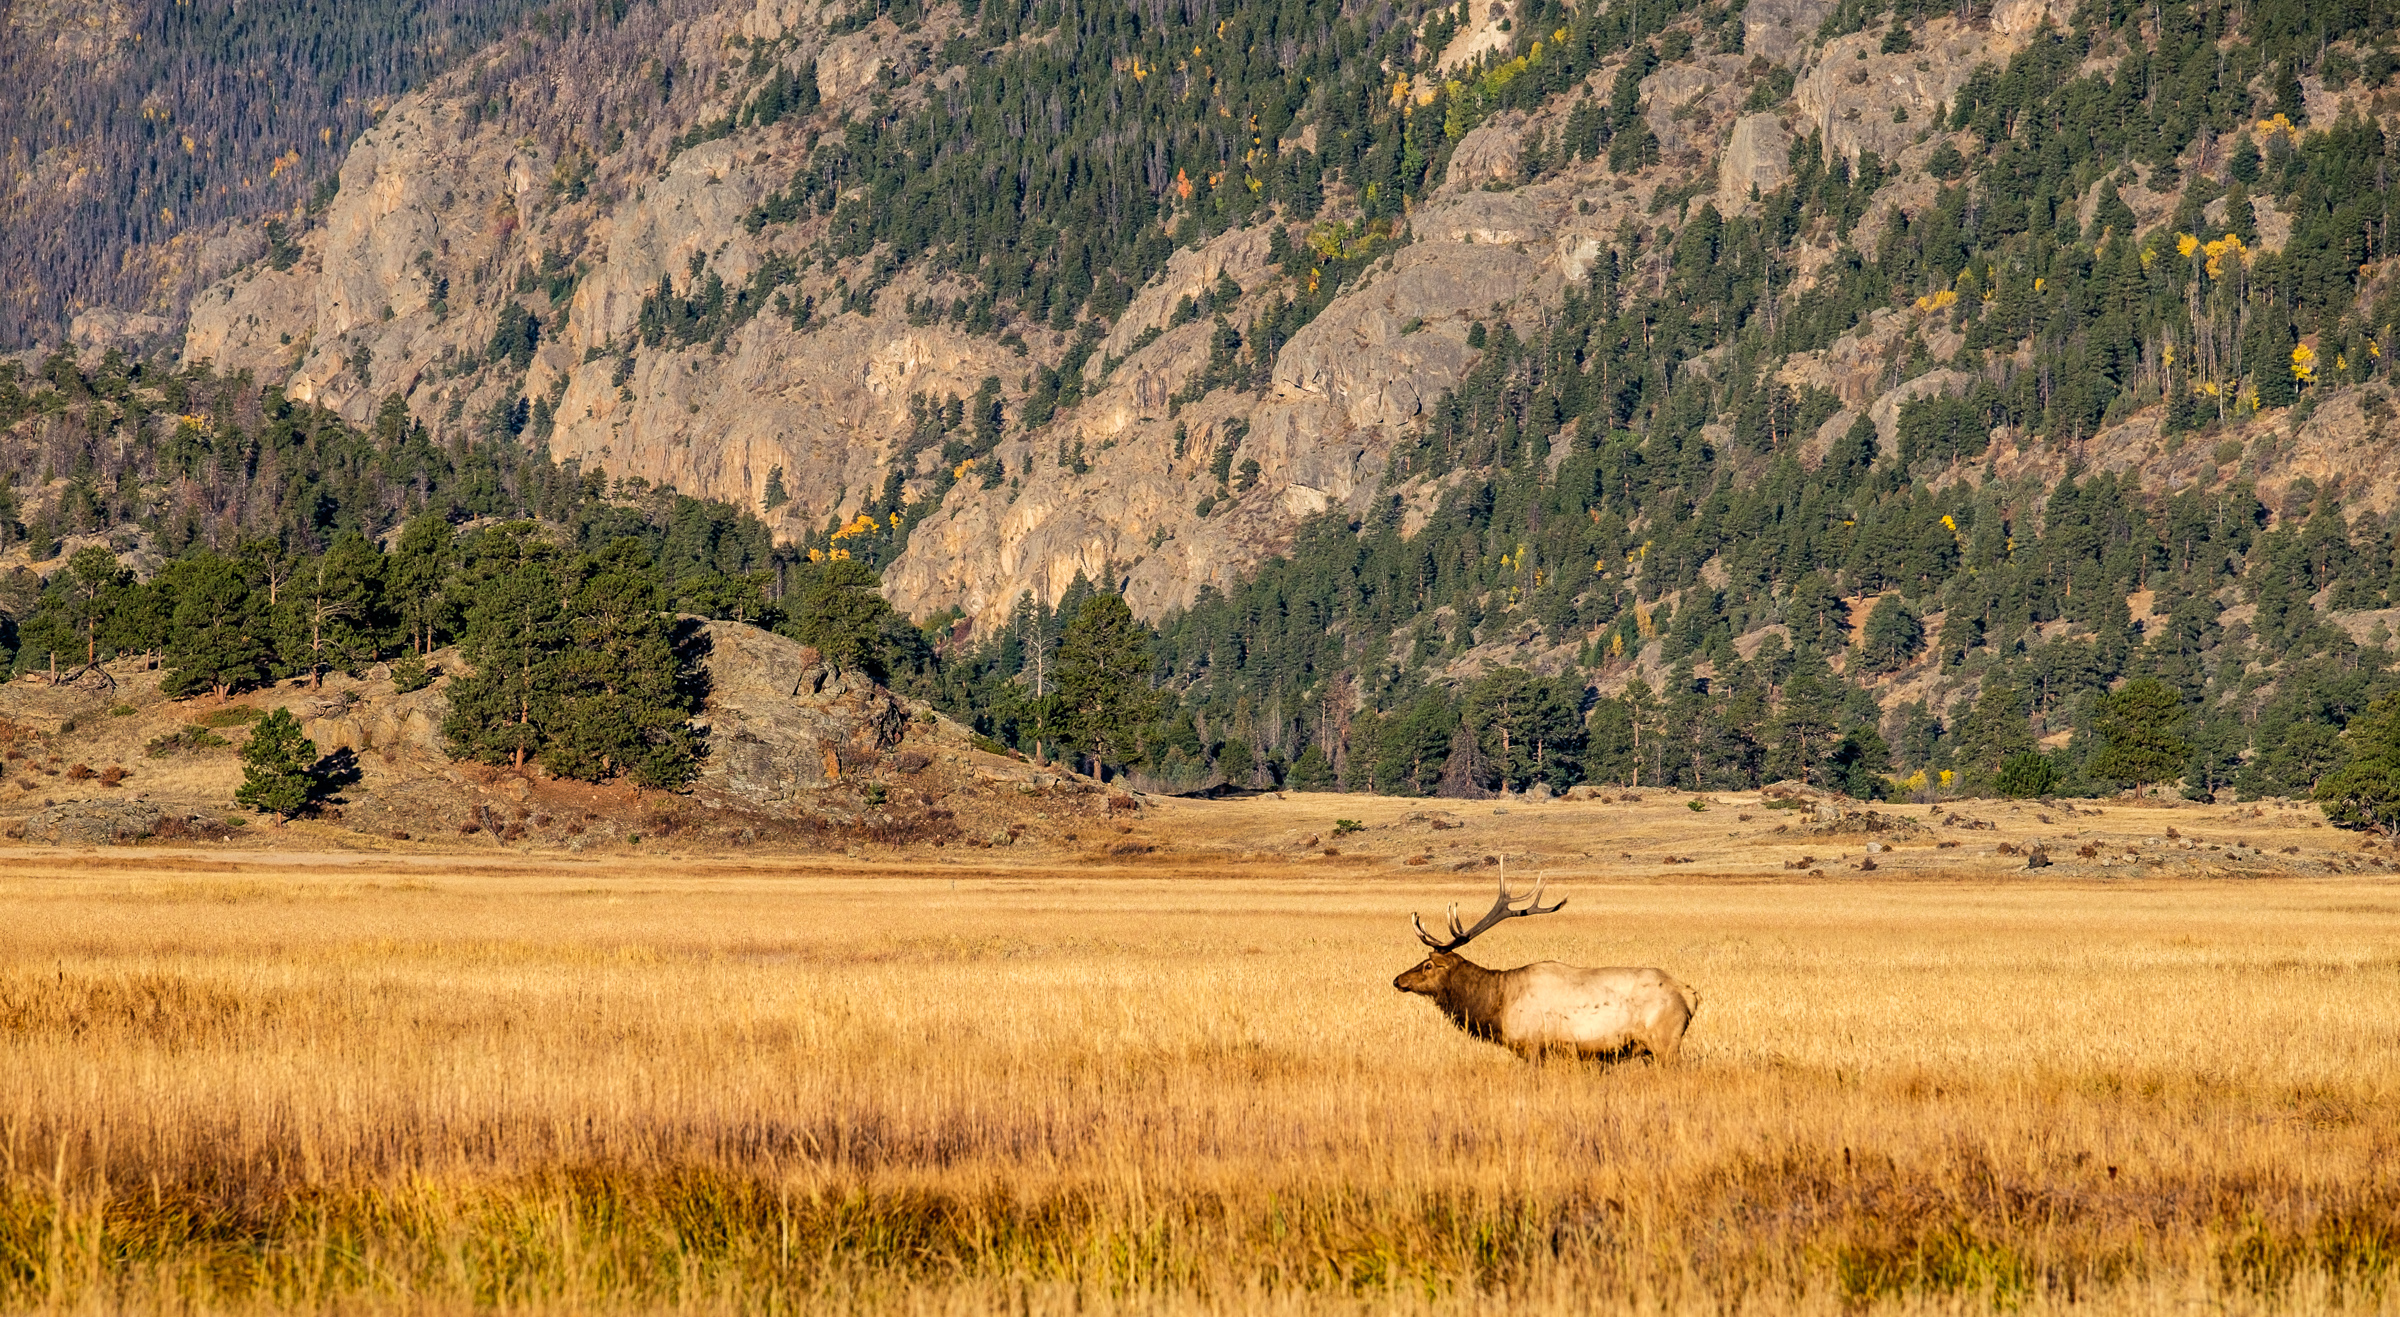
[(1547, 1006)]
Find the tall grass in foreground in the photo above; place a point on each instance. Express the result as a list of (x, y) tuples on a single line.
[(550, 1093)]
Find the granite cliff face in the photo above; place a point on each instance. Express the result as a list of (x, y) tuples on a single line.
[(447, 217)]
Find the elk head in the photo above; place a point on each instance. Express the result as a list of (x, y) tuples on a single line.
[(1427, 977)]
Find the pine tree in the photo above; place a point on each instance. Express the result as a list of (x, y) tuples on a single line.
[(76, 612), (216, 633), (1995, 729), (332, 610), (1817, 614), (279, 774), (1805, 722), (1856, 764), (2025, 775), (2138, 724), (1412, 752), (620, 706), (1467, 773), (1893, 636), (2243, 163), (1502, 710), (516, 627), (1032, 699), (1104, 678), (2111, 215), (1312, 771), (419, 571), (838, 611), (2365, 791), (94, 581)]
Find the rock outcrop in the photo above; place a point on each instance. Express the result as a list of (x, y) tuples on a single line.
[(1860, 99), (93, 823), (780, 721), (1779, 30), (1756, 160)]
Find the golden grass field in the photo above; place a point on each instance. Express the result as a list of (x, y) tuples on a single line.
[(1181, 1082)]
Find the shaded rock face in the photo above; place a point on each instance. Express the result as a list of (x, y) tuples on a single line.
[(440, 222), (1690, 106), (781, 722), (1347, 387)]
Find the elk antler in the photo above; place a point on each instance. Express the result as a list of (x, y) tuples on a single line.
[(1505, 907)]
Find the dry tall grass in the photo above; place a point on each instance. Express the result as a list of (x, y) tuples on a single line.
[(561, 1087)]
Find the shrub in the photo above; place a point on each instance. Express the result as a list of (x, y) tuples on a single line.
[(187, 739), (411, 674)]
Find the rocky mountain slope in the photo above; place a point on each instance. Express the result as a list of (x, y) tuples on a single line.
[(145, 144), (1471, 394), (571, 209)]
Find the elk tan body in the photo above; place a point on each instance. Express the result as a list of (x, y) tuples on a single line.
[(1547, 1006)]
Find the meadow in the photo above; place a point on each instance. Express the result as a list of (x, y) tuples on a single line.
[(553, 1083)]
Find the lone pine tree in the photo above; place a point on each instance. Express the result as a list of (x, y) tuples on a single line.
[(2139, 724), (278, 767), (1104, 678), (217, 633)]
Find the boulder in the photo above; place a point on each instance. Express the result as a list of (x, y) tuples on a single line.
[(1835, 820), (94, 822)]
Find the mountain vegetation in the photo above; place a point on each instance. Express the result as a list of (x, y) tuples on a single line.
[(1638, 543)]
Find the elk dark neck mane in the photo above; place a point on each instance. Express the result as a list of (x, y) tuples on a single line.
[(1471, 997)]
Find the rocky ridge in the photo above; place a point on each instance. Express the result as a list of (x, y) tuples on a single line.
[(796, 754)]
